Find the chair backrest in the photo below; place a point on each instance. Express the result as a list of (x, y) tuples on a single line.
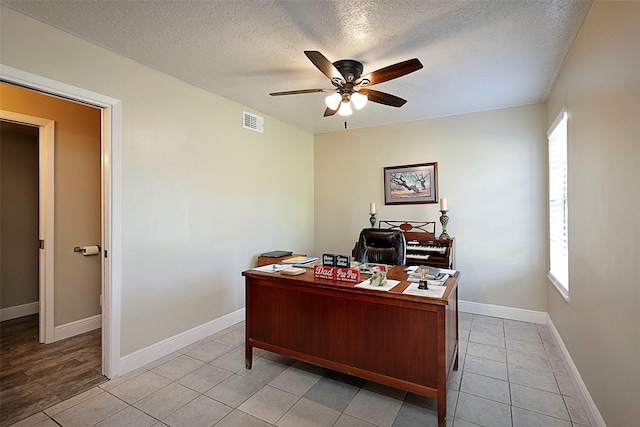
[(382, 246)]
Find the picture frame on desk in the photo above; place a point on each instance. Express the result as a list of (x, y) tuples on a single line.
[(411, 184)]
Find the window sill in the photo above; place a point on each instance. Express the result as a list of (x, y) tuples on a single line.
[(564, 292)]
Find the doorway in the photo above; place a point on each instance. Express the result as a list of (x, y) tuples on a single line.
[(110, 157), (19, 225), (44, 194), (36, 376), (70, 295)]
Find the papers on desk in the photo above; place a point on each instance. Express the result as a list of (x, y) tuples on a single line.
[(432, 292), (414, 269), (367, 285), (432, 280), (309, 264), (301, 259), (272, 268)]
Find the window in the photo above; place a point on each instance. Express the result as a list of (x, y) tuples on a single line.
[(558, 216)]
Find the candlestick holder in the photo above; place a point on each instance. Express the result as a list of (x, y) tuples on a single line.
[(372, 219), (444, 220)]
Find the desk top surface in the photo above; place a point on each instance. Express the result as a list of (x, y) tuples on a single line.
[(396, 273)]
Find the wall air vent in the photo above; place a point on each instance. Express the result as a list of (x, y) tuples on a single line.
[(252, 122)]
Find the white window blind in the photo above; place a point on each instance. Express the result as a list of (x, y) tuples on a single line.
[(558, 209)]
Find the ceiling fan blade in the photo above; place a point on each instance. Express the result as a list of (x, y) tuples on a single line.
[(324, 65), (391, 72), (296, 92), (329, 112), (383, 98)]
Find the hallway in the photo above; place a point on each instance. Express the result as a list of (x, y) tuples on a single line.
[(35, 376)]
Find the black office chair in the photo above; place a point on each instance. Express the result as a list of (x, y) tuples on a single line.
[(382, 246)]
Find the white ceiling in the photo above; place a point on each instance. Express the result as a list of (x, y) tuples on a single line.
[(477, 55)]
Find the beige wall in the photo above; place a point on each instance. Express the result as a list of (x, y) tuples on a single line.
[(201, 196), (491, 169), (77, 198), (600, 87), (18, 214)]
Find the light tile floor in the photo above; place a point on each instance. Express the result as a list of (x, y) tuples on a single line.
[(511, 374)]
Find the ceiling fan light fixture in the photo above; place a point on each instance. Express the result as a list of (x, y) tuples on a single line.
[(359, 100), (346, 77), (345, 109), (333, 101)]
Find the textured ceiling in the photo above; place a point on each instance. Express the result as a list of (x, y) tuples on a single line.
[(477, 55)]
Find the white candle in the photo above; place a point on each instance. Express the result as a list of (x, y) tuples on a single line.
[(372, 208), (443, 204)]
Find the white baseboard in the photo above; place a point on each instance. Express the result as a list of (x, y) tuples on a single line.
[(19, 311), (589, 405), (76, 328), (510, 313), (155, 351)]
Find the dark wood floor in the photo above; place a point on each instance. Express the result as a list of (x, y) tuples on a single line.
[(35, 376)]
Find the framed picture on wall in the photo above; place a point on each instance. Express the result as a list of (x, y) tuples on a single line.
[(409, 184)]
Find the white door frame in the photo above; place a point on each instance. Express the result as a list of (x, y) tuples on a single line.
[(46, 194), (111, 165)]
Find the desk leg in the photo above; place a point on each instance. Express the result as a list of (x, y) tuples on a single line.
[(442, 411), (455, 363), (248, 356)]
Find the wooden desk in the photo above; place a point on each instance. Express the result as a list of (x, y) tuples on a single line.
[(404, 341)]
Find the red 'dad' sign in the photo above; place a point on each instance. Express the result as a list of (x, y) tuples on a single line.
[(322, 272), (351, 275)]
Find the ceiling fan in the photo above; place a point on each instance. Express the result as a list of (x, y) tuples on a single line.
[(351, 86)]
